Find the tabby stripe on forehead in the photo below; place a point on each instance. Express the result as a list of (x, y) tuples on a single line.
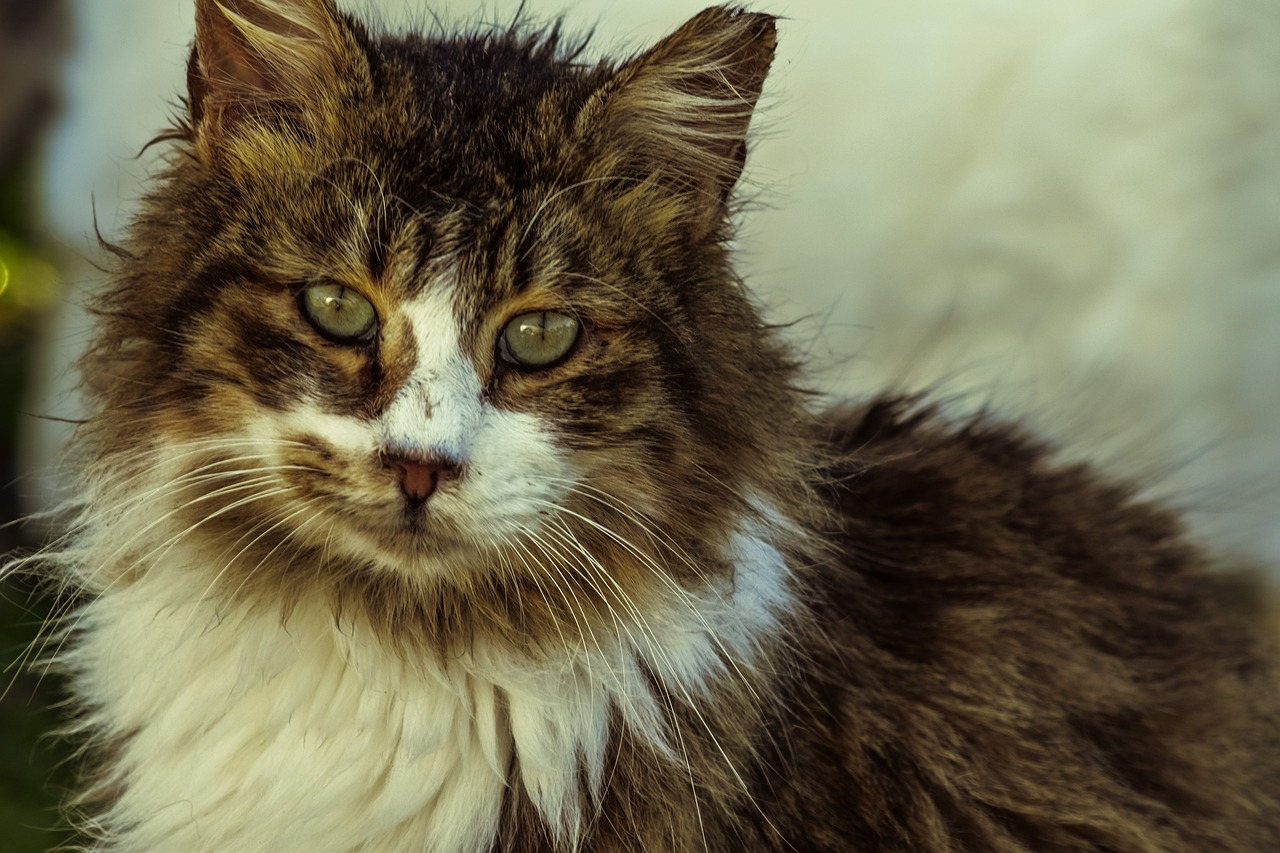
[(431, 242), (364, 218)]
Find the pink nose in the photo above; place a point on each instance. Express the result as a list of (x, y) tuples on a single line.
[(419, 477)]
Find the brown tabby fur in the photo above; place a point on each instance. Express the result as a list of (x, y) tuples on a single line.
[(987, 652)]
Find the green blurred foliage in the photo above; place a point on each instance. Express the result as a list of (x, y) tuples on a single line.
[(28, 287)]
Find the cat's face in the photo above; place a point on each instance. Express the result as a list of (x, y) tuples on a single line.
[(447, 312), (446, 406)]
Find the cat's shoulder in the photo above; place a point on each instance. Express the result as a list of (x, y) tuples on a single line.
[(967, 533), (901, 467), (1030, 647)]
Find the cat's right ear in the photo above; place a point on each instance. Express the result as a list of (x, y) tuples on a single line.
[(672, 123), (269, 62)]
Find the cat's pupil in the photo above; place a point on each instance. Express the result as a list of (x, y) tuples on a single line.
[(539, 339)]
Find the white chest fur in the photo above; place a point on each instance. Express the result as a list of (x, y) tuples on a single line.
[(246, 733)]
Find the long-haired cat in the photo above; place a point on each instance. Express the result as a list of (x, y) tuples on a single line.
[(444, 490)]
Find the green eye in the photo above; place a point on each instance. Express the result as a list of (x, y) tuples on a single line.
[(338, 312), (539, 339)]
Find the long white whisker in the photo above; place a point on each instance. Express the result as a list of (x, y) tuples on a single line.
[(654, 646), (638, 618), (168, 544), (683, 595), (306, 507)]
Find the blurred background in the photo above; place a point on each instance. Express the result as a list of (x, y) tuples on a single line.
[(35, 36), (1067, 211)]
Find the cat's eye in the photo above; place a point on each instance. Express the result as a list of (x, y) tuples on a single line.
[(338, 312), (539, 339)]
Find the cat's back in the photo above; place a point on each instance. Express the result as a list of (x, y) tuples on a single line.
[(1015, 655)]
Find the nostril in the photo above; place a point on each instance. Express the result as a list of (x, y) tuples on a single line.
[(419, 477)]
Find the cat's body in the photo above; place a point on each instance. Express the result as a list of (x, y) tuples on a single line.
[(444, 491), (969, 677)]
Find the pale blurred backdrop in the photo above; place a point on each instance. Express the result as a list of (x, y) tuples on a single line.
[(1065, 210)]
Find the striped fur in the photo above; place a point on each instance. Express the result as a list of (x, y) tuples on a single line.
[(651, 599)]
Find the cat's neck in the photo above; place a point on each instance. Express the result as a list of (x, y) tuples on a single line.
[(414, 746)]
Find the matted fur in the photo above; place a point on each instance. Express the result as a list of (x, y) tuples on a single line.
[(657, 603)]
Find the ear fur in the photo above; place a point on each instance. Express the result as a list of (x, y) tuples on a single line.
[(264, 61), (678, 113)]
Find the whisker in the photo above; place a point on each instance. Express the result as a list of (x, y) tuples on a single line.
[(653, 645), (164, 548), (683, 595), (642, 624)]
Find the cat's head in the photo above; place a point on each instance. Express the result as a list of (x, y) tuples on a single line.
[(446, 321)]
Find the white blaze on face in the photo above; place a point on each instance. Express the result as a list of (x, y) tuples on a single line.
[(512, 469), (439, 411)]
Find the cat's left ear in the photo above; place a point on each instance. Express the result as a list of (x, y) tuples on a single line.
[(269, 62), (677, 115)]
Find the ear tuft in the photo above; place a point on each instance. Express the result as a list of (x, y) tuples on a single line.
[(268, 60), (679, 112)]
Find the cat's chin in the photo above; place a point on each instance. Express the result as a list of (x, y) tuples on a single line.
[(418, 544)]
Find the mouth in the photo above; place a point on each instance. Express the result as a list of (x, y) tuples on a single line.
[(416, 529), (418, 520)]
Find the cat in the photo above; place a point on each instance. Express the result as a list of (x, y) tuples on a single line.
[(443, 489)]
